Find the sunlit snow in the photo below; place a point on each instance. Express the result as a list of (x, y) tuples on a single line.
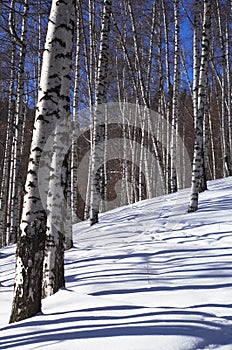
[(149, 276)]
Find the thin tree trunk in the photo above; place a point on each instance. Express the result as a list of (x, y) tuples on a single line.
[(229, 89), (175, 100), (7, 164), (168, 99), (223, 94), (19, 121), (141, 85), (14, 181), (76, 123), (197, 169), (99, 120)]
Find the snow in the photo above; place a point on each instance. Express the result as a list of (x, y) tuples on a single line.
[(148, 276)]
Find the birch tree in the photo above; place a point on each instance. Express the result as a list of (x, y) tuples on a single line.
[(31, 242), (229, 80), (175, 102), (10, 189), (7, 161), (223, 91), (19, 121), (197, 169), (75, 120), (99, 125), (168, 87)]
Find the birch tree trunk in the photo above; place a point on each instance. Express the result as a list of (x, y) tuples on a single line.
[(76, 122), (10, 193), (168, 99), (92, 70), (197, 169), (229, 80), (7, 163), (59, 226), (31, 242), (213, 152), (140, 85), (223, 93), (17, 183), (196, 56), (175, 100), (99, 125)]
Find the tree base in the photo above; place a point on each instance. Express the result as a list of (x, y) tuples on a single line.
[(93, 221), (192, 209)]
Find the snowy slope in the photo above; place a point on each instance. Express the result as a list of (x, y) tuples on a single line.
[(149, 276)]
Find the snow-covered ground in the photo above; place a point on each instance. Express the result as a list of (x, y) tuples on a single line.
[(149, 276)]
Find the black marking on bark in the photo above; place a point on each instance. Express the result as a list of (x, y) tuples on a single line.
[(36, 149), (41, 117)]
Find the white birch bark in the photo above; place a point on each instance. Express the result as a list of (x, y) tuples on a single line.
[(196, 56), (7, 161), (39, 40), (229, 89), (59, 224), (76, 122), (213, 150), (141, 86), (206, 136), (148, 90), (198, 146), (175, 99), (19, 121), (168, 99), (98, 125), (151, 48), (92, 87), (223, 93), (11, 200), (121, 91), (92, 50), (30, 247), (58, 220)]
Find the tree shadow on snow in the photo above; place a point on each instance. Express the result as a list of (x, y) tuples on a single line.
[(141, 324)]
